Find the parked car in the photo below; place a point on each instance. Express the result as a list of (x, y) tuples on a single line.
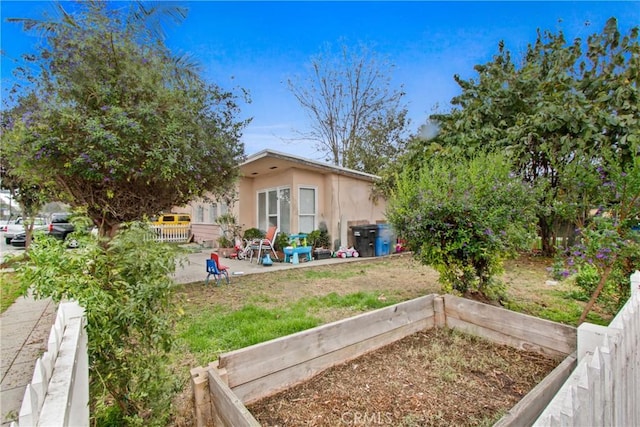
[(172, 219), (18, 226), (19, 240), (60, 227)]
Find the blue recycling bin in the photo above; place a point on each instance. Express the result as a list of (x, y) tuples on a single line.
[(384, 240)]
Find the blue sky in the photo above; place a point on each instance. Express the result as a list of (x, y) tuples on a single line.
[(259, 45)]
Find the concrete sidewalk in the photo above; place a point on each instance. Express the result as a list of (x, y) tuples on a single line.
[(25, 326), (24, 333)]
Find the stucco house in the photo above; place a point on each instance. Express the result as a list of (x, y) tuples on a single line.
[(296, 194)]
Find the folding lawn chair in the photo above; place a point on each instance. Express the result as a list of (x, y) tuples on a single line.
[(265, 244)]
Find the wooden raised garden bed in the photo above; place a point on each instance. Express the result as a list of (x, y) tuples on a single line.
[(243, 377)]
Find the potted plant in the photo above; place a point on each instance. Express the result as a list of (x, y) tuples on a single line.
[(253, 234), (228, 230), (225, 246), (321, 243), (282, 241)]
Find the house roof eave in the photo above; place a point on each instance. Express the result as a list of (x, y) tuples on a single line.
[(304, 162)]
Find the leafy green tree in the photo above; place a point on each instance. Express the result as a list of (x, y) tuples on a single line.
[(557, 110), (31, 191), (121, 124), (126, 130), (463, 217), (358, 119), (609, 248)]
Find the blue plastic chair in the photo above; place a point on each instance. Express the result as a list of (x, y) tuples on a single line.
[(212, 269)]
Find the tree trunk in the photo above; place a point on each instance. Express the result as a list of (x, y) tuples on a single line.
[(546, 234), (603, 279)]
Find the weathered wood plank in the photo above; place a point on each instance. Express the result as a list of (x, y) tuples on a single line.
[(500, 338), (529, 408), (523, 329), (277, 381), (253, 362), (227, 406)]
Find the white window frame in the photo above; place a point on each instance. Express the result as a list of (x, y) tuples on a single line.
[(314, 215), (213, 213), (264, 223)]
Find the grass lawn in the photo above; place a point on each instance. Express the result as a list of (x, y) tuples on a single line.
[(10, 290)]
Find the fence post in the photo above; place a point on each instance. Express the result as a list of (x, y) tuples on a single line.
[(635, 283), (439, 312), (67, 398), (590, 336)]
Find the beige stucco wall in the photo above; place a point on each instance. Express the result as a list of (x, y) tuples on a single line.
[(348, 199), (340, 199)]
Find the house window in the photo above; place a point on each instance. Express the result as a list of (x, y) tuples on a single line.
[(200, 214), (213, 213), (307, 210), (224, 209), (274, 208)]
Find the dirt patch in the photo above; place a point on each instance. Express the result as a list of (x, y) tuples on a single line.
[(435, 377)]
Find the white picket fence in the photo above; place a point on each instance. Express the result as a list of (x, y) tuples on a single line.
[(604, 389), (58, 394), (171, 233)]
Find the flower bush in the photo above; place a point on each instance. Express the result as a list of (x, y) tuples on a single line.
[(463, 218)]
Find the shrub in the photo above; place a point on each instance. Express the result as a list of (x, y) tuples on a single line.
[(282, 241), (319, 239), (224, 242), (253, 233), (125, 287), (463, 218)]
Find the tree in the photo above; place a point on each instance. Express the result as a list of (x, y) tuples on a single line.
[(463, 217), (126, 128), (31, 191), (609, 248), (556, 112), (357, 118)]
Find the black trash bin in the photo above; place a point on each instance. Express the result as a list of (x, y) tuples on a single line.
[(364, 238)]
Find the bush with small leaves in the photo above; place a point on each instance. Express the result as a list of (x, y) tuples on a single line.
[(463, 218), (125, 287)]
